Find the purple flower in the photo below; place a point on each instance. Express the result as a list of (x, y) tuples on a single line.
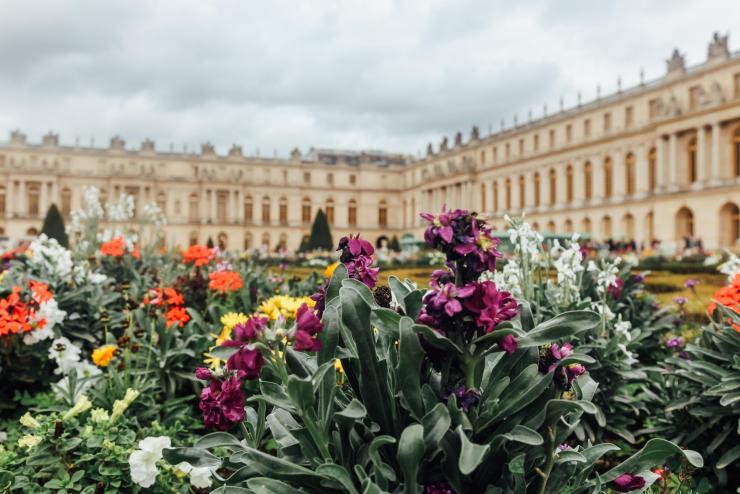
[(574, 370), (562, 447), (466, 397), (246, 362), (203, 373), (320, 299), (558, 353), (251, 329), (691, 283), (674, 342), (361, 269), (680, 300), (438, 488), (508, 343), (490, 305), (308, 327), (222, 403), (615, 289), (353, 247), (628, 482), (638, 278), (441, 277)]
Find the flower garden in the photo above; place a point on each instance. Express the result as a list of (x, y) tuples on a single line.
[(126, 368)]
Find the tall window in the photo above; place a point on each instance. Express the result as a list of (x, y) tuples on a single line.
[(684, 223), (330, 178), (266, 240), (221, 198), (694, 97), (508, 151), (330, 211), (2, 200), (383, 214), (588, 181), (691, 161), (537, 201), (607, 122), (568, 133), (34, 190), (247, 241), (552, 138), (606, 226), (629, 116), (553, 186), (162, 201), (265, 210), (306, 210), (736, 152), (283, 211), (248, 209), (629, 174), (522, 192), (608, 179), (569, 183), (507, 194), (495, 195), (67, 201), (521, 147), (482, 197), (587, 127), (536, 142), (652, 169), (352, 179), (352, 212), (306, 178)]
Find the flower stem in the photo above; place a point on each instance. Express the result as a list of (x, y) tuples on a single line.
[(550, 462)]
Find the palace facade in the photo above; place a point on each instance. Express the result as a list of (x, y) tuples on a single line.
[(659, 161)]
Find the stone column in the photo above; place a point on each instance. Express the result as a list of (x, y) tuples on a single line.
[(619, 170), (597, 186), (529, 190), (212, 208), (700, 155), (545, 189), (514, 193), (660, 172), (579, 185), (672, 161), (716, 174), (642, 174), (21, 197), (10, 200), (43, 198), (202, 205)]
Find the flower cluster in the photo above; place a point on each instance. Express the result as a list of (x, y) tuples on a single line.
[(171, 302), (118, 246), (199, 255), (458, 303), (102, 356), (728, 296), (32, 312), (283, 306), (224, 282), (67, 355)]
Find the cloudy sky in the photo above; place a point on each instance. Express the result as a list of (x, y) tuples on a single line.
[(374, 74)]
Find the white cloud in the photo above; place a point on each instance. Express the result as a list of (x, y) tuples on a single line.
[(273, 75)]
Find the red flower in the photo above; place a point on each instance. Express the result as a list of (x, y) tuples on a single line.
[(246, 362), (225, 281), (728, 296), (222, 403), (200, 255), (40, 291), (115, 247), (177, 316)]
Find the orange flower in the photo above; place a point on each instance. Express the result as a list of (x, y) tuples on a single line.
[(728, 296), (103, 355), (225, 281), (16, 315), (136, 253), (198, 254), (178, 316), (40, 291), (115, 247), (173, 298)]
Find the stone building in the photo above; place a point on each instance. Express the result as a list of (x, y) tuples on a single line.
[(657, 161)]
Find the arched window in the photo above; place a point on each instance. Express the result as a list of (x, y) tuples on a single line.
[(383, 214), (729, 218), (507, 194), (223, 241), (684, 223), (34, 191), (568, 226), (569, 184), (736, 152), (248, 241), (495, 196), (522, 192), (306, 210), (652, 169), (330, 211), (691, 161), (608, 179), (537, 181), (193, 238), (66, 201), (629, 174), (32, 232), (248, 209), (266, 240), (650, 227), (588, 181), (283, 242), (265, 210), (162, 201), (551, 226), (222, 198), (283, 211), (606, 227), (352, 211), (586, 225), (2, 200), (535, 226), (553, 186), (628, 226)]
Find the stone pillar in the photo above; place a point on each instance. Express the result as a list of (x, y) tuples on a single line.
[(202, 205), (579, 185), (715, 174), (642, 173), (212, 206), (43, 199), (597, 186), (673, 161), (700, 155), (529, 189), (514, 193), (10, 200), (21, 198), (619, 170), (660, 172), (545, 189)]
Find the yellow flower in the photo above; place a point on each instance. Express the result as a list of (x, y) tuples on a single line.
[(338, 366), (120, 406), (29, 441), (282, 305), (103, 355), (330, 269), (82, 404), (27, 420), (99, 415), (231, 319)]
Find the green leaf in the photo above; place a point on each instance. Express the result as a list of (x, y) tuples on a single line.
[(471, 454), (655, 452), (272, 466), (729, 457), (399, 291), (386, 320), (265, 485), (410, 359), (409, 455), (436, 339), (337, 474), (561, 326), (197, 457), (436, 424), (223, 352), (216, 440), (570, 456), (300, 392), (524, 435), (385, 470), (413, 303)]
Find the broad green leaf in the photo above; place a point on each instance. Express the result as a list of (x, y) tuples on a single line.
[(471, 454), (197, 457), (386, 320), (561, 326), (410, 453), (336, 475), (411, 358), (524, 435), (436, 339), (399, 291), (436, 424), (655, 452), (729, 457), (217, 439), (300, 392), (265, 485)]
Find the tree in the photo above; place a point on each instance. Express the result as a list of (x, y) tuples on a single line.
[(304, 244), (394, 244), (210, 243), (54, 226), (320, 238)]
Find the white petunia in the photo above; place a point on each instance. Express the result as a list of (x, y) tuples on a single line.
[(200, 477), (66, 355), (143, 462), (50, 312)]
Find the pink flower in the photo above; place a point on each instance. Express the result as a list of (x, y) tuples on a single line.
[(574, 370), (222, 403), (628, 482), (490, 305), (508, 343), (251, 329), (203, 373), (308, 327), (246, 362)]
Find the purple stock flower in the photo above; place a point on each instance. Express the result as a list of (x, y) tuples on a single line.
[(308, 327), (674, 342), (361, 269), (249, 330), (203, 373), (353, 247), (247, 362), (558, 353), (438, 488), (357, 256), (508, 343), (680, 300), (574, 370), (628, 482), (615, 289), (466, 397), (490, 305), (320, 298), (562, 447), (691, 283), (222, 403)]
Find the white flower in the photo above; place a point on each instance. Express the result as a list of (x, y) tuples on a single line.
[(99, 415), (623, 328), (200, 477), (29, 441), (82, 405), (730, 267), (50, 312), (66, 355), (143, 462), (27, 420), (121, 210), (49, 259)]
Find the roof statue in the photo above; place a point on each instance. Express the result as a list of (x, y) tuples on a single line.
[(676, 65), (718, 49), (458, 138)]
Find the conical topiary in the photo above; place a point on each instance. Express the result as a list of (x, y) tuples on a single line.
[(54, 226), (320, 238)]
